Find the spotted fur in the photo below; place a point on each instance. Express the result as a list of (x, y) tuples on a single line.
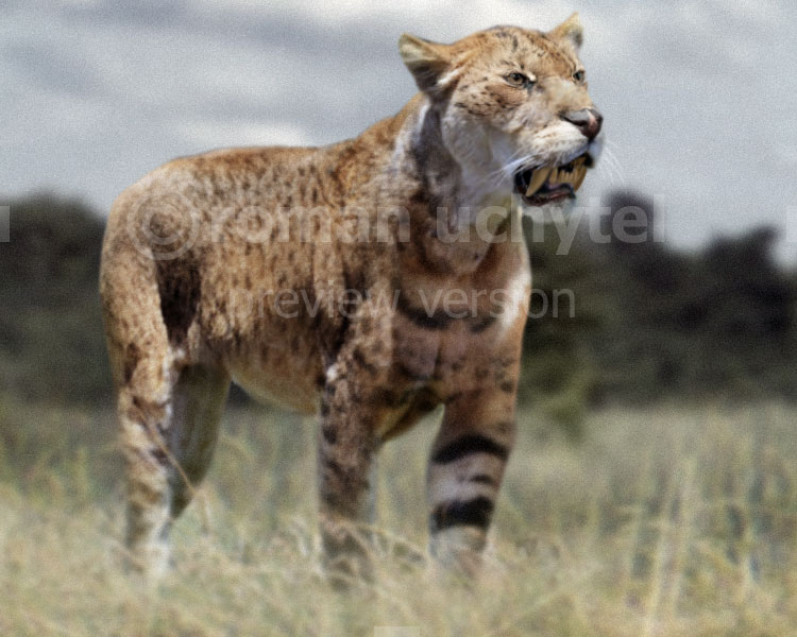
[(346, 281)]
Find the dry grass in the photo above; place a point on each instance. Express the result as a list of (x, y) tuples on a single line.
[(673, 521)]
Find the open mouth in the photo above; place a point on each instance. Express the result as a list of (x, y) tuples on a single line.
[(546, 184)]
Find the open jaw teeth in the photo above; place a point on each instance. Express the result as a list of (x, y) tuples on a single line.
[(549, 183)]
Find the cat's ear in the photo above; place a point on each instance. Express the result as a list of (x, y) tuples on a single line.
[(427, 61), (570, 31)]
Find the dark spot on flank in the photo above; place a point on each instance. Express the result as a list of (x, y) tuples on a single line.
[(508, 386), (482, 479), (411, 375), (480, 324), (421, 317)]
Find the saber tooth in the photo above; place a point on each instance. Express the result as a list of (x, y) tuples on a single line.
[(537, 180), (581, 173)]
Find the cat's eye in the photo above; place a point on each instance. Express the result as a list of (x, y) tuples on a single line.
[(520, 80), (579, 76)]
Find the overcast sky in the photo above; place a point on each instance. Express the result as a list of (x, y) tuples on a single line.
[(699, 97)]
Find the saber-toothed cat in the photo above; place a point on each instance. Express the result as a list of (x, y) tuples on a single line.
[(366, 282)]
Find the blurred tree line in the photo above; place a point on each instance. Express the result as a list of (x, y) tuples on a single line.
[(652, 323), (621, 318), (51, 342)]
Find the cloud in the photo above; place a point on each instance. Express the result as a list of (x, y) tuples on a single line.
[(214, 134), (453, 17)]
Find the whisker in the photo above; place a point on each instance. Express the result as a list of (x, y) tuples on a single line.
[(513, 166), (612, 158), (615, 170), (619, 171), (507, 169)]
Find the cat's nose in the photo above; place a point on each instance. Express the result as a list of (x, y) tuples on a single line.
[(588, 121)]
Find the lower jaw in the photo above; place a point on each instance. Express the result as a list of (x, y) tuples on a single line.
[(541, 199), (547, 185)]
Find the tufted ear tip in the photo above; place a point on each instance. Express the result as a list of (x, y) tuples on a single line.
[(406, 42), (409, 45), (570, 31), (415, 50), (426, 60)]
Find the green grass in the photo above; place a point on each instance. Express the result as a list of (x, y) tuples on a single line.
[(666, 521)]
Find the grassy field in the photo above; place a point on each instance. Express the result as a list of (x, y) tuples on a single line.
[(666, 521)]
